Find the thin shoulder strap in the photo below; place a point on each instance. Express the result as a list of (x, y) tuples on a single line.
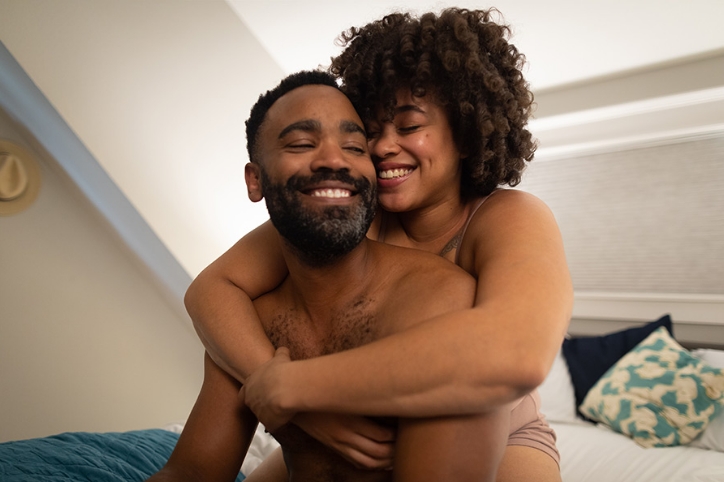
[(479, 203)]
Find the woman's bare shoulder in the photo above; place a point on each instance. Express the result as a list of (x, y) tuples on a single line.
[(506, 220), (512, 199)]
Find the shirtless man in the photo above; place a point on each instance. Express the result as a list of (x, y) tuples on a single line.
[(310, 162)]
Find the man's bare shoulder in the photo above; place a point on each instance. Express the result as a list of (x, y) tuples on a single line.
[(421, 285)]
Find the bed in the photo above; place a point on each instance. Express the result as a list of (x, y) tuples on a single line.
[(589, 426), (84, 456), (595, 450)]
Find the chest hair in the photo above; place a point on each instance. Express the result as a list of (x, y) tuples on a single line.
[(349, 327)]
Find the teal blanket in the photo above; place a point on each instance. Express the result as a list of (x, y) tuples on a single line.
[(95, 457)]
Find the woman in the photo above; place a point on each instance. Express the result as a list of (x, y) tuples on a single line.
[(445, 106)]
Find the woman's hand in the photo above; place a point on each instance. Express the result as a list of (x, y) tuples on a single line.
[(262, 392), (362, 442)]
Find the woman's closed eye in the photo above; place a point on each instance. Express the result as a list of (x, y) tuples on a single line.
[(407, 129)]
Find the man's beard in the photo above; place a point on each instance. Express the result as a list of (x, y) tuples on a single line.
[(319, 235)]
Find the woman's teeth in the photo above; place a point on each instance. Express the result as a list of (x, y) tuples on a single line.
[(333, 193), (393, 173)]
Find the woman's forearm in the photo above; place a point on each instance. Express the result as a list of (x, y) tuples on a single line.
[(462, 362), (453, 364)]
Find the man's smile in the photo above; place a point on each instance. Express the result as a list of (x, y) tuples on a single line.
[(331, 193), (331, 186)]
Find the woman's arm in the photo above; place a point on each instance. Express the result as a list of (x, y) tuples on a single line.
[(219, 301), (474, 359)]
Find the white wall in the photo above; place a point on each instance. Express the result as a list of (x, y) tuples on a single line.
[(158, 91), (633, 167), (88, 342), (143, 95)]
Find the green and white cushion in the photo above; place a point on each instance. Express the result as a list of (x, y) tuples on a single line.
[(658, 393)]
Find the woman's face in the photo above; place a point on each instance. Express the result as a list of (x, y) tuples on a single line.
[(417, 161)]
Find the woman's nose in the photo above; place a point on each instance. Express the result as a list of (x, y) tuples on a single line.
[(384, 144)]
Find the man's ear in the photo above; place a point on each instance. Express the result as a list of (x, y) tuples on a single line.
[(252, 175)]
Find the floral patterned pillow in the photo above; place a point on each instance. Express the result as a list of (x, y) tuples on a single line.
[(658, 393)]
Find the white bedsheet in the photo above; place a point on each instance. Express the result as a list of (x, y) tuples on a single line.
[(591, 453), (261, 447)]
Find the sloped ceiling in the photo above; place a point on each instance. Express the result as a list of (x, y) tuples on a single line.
[(564, 40), (158, 91)]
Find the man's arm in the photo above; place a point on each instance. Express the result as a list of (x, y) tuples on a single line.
[(216, 436)]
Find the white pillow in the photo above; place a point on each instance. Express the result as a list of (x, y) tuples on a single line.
[(261, 447), (558, 402), (658, 394), (713, 437)]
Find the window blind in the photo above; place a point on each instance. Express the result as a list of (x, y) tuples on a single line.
[(647, 220)]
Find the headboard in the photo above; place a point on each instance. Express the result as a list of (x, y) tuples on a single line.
[(698, 319)]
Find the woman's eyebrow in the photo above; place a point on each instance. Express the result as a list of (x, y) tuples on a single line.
[(407, 108), (307, 125)]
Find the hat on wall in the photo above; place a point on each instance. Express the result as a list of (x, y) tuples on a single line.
[(19, 178)]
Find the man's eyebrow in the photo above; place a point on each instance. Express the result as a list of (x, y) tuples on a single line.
[(307, 125), (350, 127)]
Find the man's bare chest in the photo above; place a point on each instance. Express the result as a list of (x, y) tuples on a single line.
[(350, 326)]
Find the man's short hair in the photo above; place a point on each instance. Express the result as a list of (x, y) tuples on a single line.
[(266, 100)]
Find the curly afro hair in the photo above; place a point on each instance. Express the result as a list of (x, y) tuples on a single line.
[(463, 59)]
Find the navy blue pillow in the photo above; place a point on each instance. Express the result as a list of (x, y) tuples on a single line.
[(589, 357)]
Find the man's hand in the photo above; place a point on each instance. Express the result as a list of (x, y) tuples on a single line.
[(262, 392), (364, 443)]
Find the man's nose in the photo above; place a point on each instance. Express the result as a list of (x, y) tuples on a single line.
[(330, 155)]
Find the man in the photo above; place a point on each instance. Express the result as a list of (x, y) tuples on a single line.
[(310, 162)]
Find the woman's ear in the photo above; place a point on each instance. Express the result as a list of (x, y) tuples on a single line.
[(253, 181)]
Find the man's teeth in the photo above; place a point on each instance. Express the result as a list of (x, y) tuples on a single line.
[(333, 193), (393, 173)]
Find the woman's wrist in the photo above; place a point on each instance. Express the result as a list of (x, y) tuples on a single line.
[(309, 386), (290, 396)]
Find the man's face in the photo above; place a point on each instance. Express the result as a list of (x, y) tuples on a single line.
[(317, 176)]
